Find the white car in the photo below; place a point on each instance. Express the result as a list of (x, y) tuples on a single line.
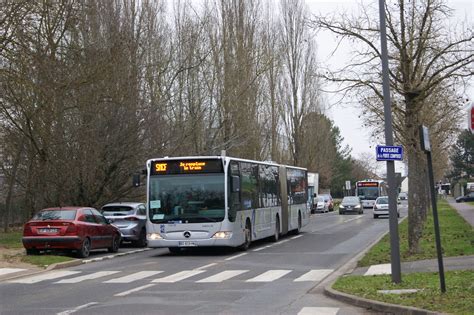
[(381, 207), (320, 205)]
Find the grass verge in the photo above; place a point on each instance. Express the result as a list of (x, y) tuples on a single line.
[(458, 298), (456, 239), (456, 236), (12, 240)]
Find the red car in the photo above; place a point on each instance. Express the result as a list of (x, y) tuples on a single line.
[(70, 228)]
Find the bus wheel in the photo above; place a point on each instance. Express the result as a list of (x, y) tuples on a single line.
[(248, 237), (276, 236)]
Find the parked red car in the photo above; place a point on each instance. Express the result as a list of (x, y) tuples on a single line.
[(70, 228)]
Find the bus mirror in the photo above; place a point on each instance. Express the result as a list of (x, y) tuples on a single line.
[(235, 183), (136, 180)]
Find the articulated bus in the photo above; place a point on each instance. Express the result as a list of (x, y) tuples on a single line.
[(369, 190), (222, 201)]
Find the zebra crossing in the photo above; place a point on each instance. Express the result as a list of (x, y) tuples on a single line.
[(58, 277)]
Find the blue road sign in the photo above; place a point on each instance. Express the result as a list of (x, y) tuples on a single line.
[(389, 153)]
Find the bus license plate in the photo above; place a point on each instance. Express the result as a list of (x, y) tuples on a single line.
[(187, 244)]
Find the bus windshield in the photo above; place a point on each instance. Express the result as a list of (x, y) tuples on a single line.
[(189, 198), (368, 193)]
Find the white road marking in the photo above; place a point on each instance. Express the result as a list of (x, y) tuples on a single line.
[(77, 308), (314, 275), (46, 276), (383, 269), (178, 276), (318, 311), (91, 276), (134, 290), (5, 271), (295, 237), (236, 256), (206, 266), (133, 277), (261, 248), (269, 276), (222, 276), (284, 241), (357, 217)]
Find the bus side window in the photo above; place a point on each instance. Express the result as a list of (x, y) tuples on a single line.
[(234, 191)]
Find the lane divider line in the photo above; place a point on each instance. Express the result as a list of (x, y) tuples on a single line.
[(135, 290)]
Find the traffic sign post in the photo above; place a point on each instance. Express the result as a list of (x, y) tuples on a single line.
[(425, 146), (387, 110)]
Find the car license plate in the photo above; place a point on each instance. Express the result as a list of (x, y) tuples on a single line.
[(48, 230), (187, 244)]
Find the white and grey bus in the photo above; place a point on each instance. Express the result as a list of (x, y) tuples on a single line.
[(222, 201), (369, 190)]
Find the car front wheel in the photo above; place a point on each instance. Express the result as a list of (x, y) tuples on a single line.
[(115, 244)]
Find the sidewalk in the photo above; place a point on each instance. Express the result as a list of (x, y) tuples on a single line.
[(429, 265), (464, 209)]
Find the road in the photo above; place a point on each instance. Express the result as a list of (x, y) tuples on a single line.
[(286, 277)]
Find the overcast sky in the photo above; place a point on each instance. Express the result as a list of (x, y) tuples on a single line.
[(346, 117)]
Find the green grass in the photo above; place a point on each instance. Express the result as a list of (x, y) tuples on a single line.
[(458, 299), (44, 260), (457, 238), (12, 240)]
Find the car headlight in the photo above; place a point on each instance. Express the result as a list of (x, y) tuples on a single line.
[(357, 207), (341, 207), (154, 236), (222, 235)]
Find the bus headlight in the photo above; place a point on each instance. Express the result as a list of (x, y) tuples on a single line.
[(154, 236), (222, 235)]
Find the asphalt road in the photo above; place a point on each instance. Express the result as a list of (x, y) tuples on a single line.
[(270, 278)]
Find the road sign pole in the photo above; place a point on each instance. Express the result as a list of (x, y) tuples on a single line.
[(426, 146), (392, 193)]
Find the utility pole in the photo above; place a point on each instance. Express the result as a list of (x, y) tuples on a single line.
[(392, 193)]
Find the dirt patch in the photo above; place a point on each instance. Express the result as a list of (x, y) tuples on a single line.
[(11, 258)]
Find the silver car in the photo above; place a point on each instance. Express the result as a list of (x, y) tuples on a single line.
[(130, 218), (381, 207)]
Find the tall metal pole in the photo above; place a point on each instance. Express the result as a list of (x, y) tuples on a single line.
[(392, 189), (442, 281)]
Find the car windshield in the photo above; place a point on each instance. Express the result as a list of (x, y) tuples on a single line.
[(350, 200), (187, 198), (325, 197), (116, 210), (320, 199), (55, 215), (382, 201)]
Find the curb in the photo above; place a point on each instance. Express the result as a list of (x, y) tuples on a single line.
[(348, 268), (376, 305), (72, 263)]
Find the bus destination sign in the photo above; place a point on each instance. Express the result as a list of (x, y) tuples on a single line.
[(185, 167), (389, 153), (367, 184)]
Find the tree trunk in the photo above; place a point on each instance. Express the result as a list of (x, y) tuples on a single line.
[(417, 181), (11, 184)]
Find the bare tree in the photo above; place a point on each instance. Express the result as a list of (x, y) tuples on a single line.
[(298, 86), (427, 59)]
